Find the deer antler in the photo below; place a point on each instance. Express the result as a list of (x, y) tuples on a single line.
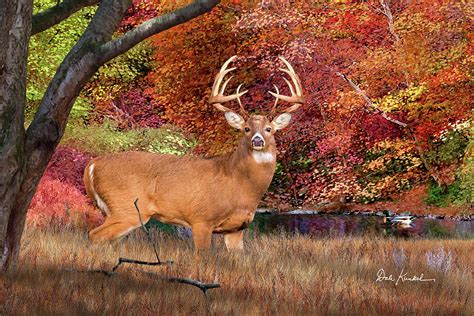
[(217, 93), (296, 90)]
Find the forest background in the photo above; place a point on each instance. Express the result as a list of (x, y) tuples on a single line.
[(388, 84)]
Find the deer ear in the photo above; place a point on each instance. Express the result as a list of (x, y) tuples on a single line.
[(281, 121), (234, 120)]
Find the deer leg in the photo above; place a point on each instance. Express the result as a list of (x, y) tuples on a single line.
[(112, 229), (234, 241), (202, 235)]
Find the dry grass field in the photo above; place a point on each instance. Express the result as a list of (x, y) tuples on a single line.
[(274, 275)]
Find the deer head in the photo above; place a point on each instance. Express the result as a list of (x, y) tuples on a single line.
[(258, 130)]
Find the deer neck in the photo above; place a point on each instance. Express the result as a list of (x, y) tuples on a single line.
[(255, 165)]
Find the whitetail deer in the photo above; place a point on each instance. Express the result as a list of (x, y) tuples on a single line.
[(209, 195)]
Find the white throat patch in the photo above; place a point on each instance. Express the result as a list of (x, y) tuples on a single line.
[(262, 156)]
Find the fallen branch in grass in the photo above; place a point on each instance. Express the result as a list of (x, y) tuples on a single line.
[(147, 232), (204, 287), (132, 261)]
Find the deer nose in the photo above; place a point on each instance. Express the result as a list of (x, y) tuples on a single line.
[(257, 141)]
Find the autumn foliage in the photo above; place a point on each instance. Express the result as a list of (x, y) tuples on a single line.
[(60, 199), (414, 68), (336, 145)]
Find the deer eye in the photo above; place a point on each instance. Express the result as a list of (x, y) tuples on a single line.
[(268, 129), (247, 129)]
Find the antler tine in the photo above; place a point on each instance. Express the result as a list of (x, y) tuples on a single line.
[(221, 74), (242, 109), (291, 71), (225, 85), (276, 102), (289, 86), (295, 88), (218, 80), (217, 92)]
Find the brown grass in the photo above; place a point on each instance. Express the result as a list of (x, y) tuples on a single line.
[(275, 275)]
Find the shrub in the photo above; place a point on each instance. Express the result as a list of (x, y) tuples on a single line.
[(107, 138), (449, 150), (67, 165), (58, 204), (440, 260), (60, 199), (442, 196), (466, 175), (138, 109)]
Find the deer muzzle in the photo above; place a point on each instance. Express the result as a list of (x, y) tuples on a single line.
[(258, 142)]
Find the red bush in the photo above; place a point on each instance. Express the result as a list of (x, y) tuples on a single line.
[(67, 165), (60, 199), (60, 204), (140, 108)]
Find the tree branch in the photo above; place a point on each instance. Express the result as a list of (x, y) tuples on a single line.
[(204, 287), (154, 26), (54, 15), (371, 105), (369, 102), (385, 10)]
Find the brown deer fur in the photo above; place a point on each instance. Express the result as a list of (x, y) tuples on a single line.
[(209, 195)]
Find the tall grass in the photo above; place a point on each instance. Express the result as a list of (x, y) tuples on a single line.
[(275, 275)]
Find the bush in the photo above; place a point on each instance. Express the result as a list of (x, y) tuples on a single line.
[(107, 138), (443, 196), (60, 199), (466, 175), (67, 165), (450, 150), (58, 204), (461, 192)]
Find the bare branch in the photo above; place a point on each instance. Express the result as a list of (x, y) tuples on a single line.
[(54, 15), (204, 287), (385, 10), (147, 232), (154, 26), (133, 261), (369, 102), (371, 105)]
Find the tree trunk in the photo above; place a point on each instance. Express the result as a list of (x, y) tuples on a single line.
[(15, 23)]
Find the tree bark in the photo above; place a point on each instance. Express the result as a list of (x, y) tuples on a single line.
[(388, 14), (54, 15), (25, 156), (15, 23)]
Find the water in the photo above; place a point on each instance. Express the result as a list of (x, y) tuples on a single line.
[(322, 225), (327, 225)]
